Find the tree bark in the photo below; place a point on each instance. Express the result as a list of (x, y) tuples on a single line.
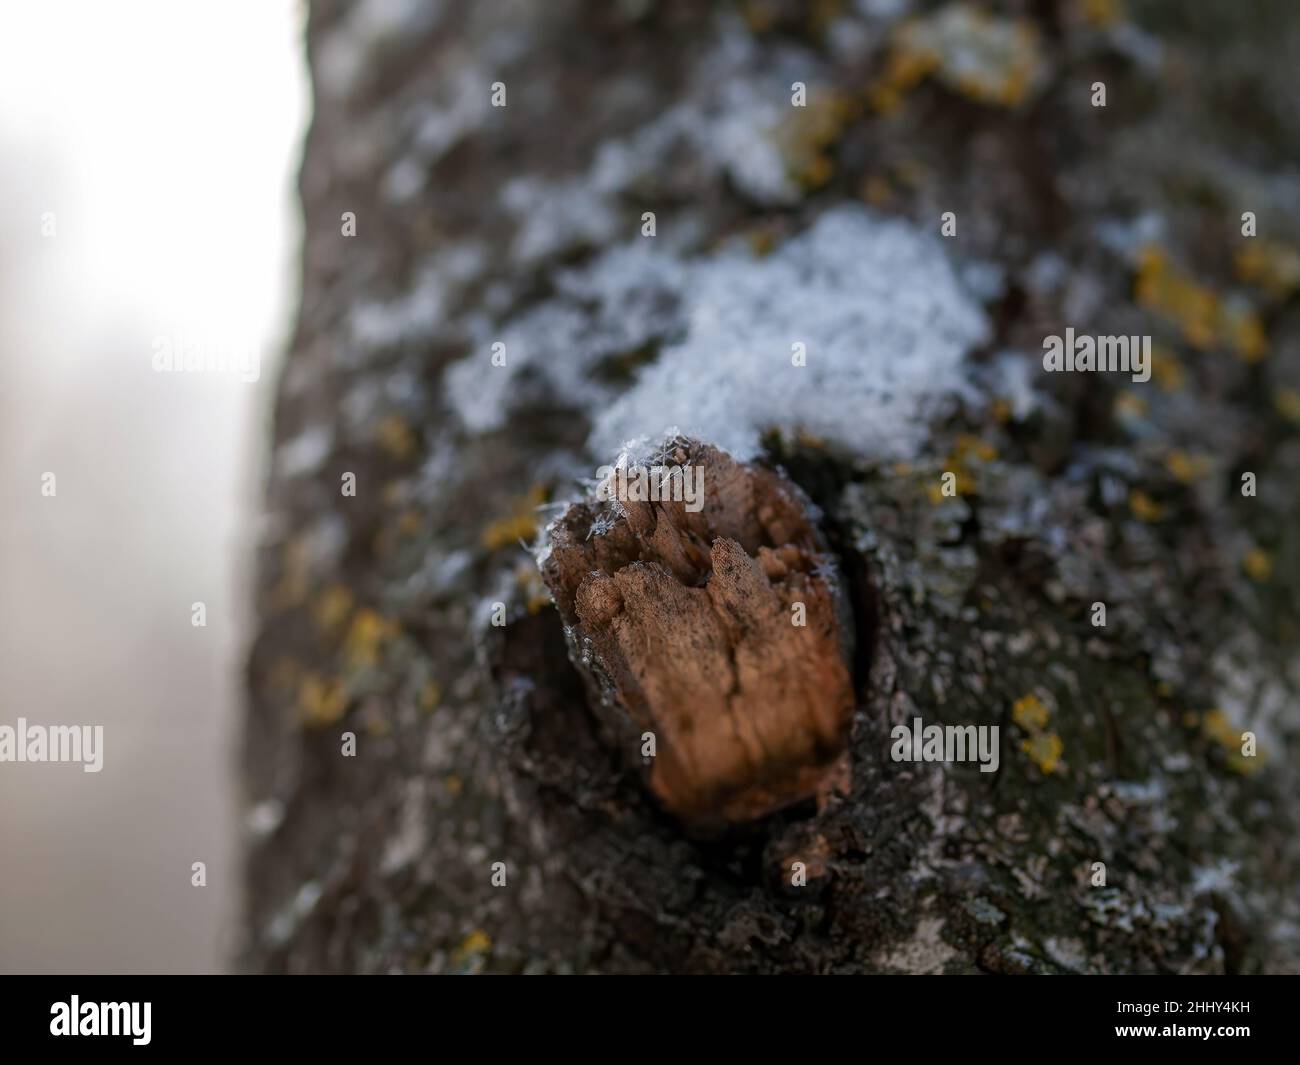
[(485, 817)]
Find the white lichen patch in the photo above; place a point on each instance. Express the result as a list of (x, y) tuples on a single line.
[(1251, 698), (925, 952), (288, 919), (410, 836)]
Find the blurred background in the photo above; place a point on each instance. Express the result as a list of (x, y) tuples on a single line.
[(148, 157)]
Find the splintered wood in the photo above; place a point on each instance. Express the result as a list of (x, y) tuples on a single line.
[(719, 628)]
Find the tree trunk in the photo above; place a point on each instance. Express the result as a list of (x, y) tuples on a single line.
[(830, 239)]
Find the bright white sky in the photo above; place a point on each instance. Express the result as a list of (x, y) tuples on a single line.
[(165, 136), (172, 124)]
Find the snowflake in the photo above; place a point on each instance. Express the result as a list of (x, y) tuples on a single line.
[(604, 522), (826, 571)]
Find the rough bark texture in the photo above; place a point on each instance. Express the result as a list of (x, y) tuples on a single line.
[(711, 626), (476, 744)]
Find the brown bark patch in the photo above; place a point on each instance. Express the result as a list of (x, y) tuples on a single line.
[(682, 621)]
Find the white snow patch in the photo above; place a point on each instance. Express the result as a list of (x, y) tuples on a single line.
[(463, 103), (883, 315), (1012, 376), (1219, 877), (628, 297), (885, 322), (743, 101), (370, 25), (305, 453), (418, 313), (555, 216), (743, 142), (728, 122)]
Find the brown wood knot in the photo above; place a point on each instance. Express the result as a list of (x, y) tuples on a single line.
[(684, 620)]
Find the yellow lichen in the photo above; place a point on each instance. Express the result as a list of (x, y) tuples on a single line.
[(822, 13), (331, 608), (760, 15), (1144, 508), (453, 784), (1044, 750), (1187, 467), (1243, 332), (762, 242), (1269, 265), (969, 446), (968, 453), (519, 524), (817, 172), (905, 70), (366, 637), (1216, 727), (963, 484), (1129, 406), (992, 60), (1287, 402), (396, 437), (877, 191), (477, 942), (1161, 287), (1258, 564), (1204, 320), (807, 136), (1030, 712), (430, 696), (321, 701), (1166, 368), (531, 588), (1103, 13)]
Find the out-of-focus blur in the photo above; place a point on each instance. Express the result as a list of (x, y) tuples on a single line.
[(148, 153)]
